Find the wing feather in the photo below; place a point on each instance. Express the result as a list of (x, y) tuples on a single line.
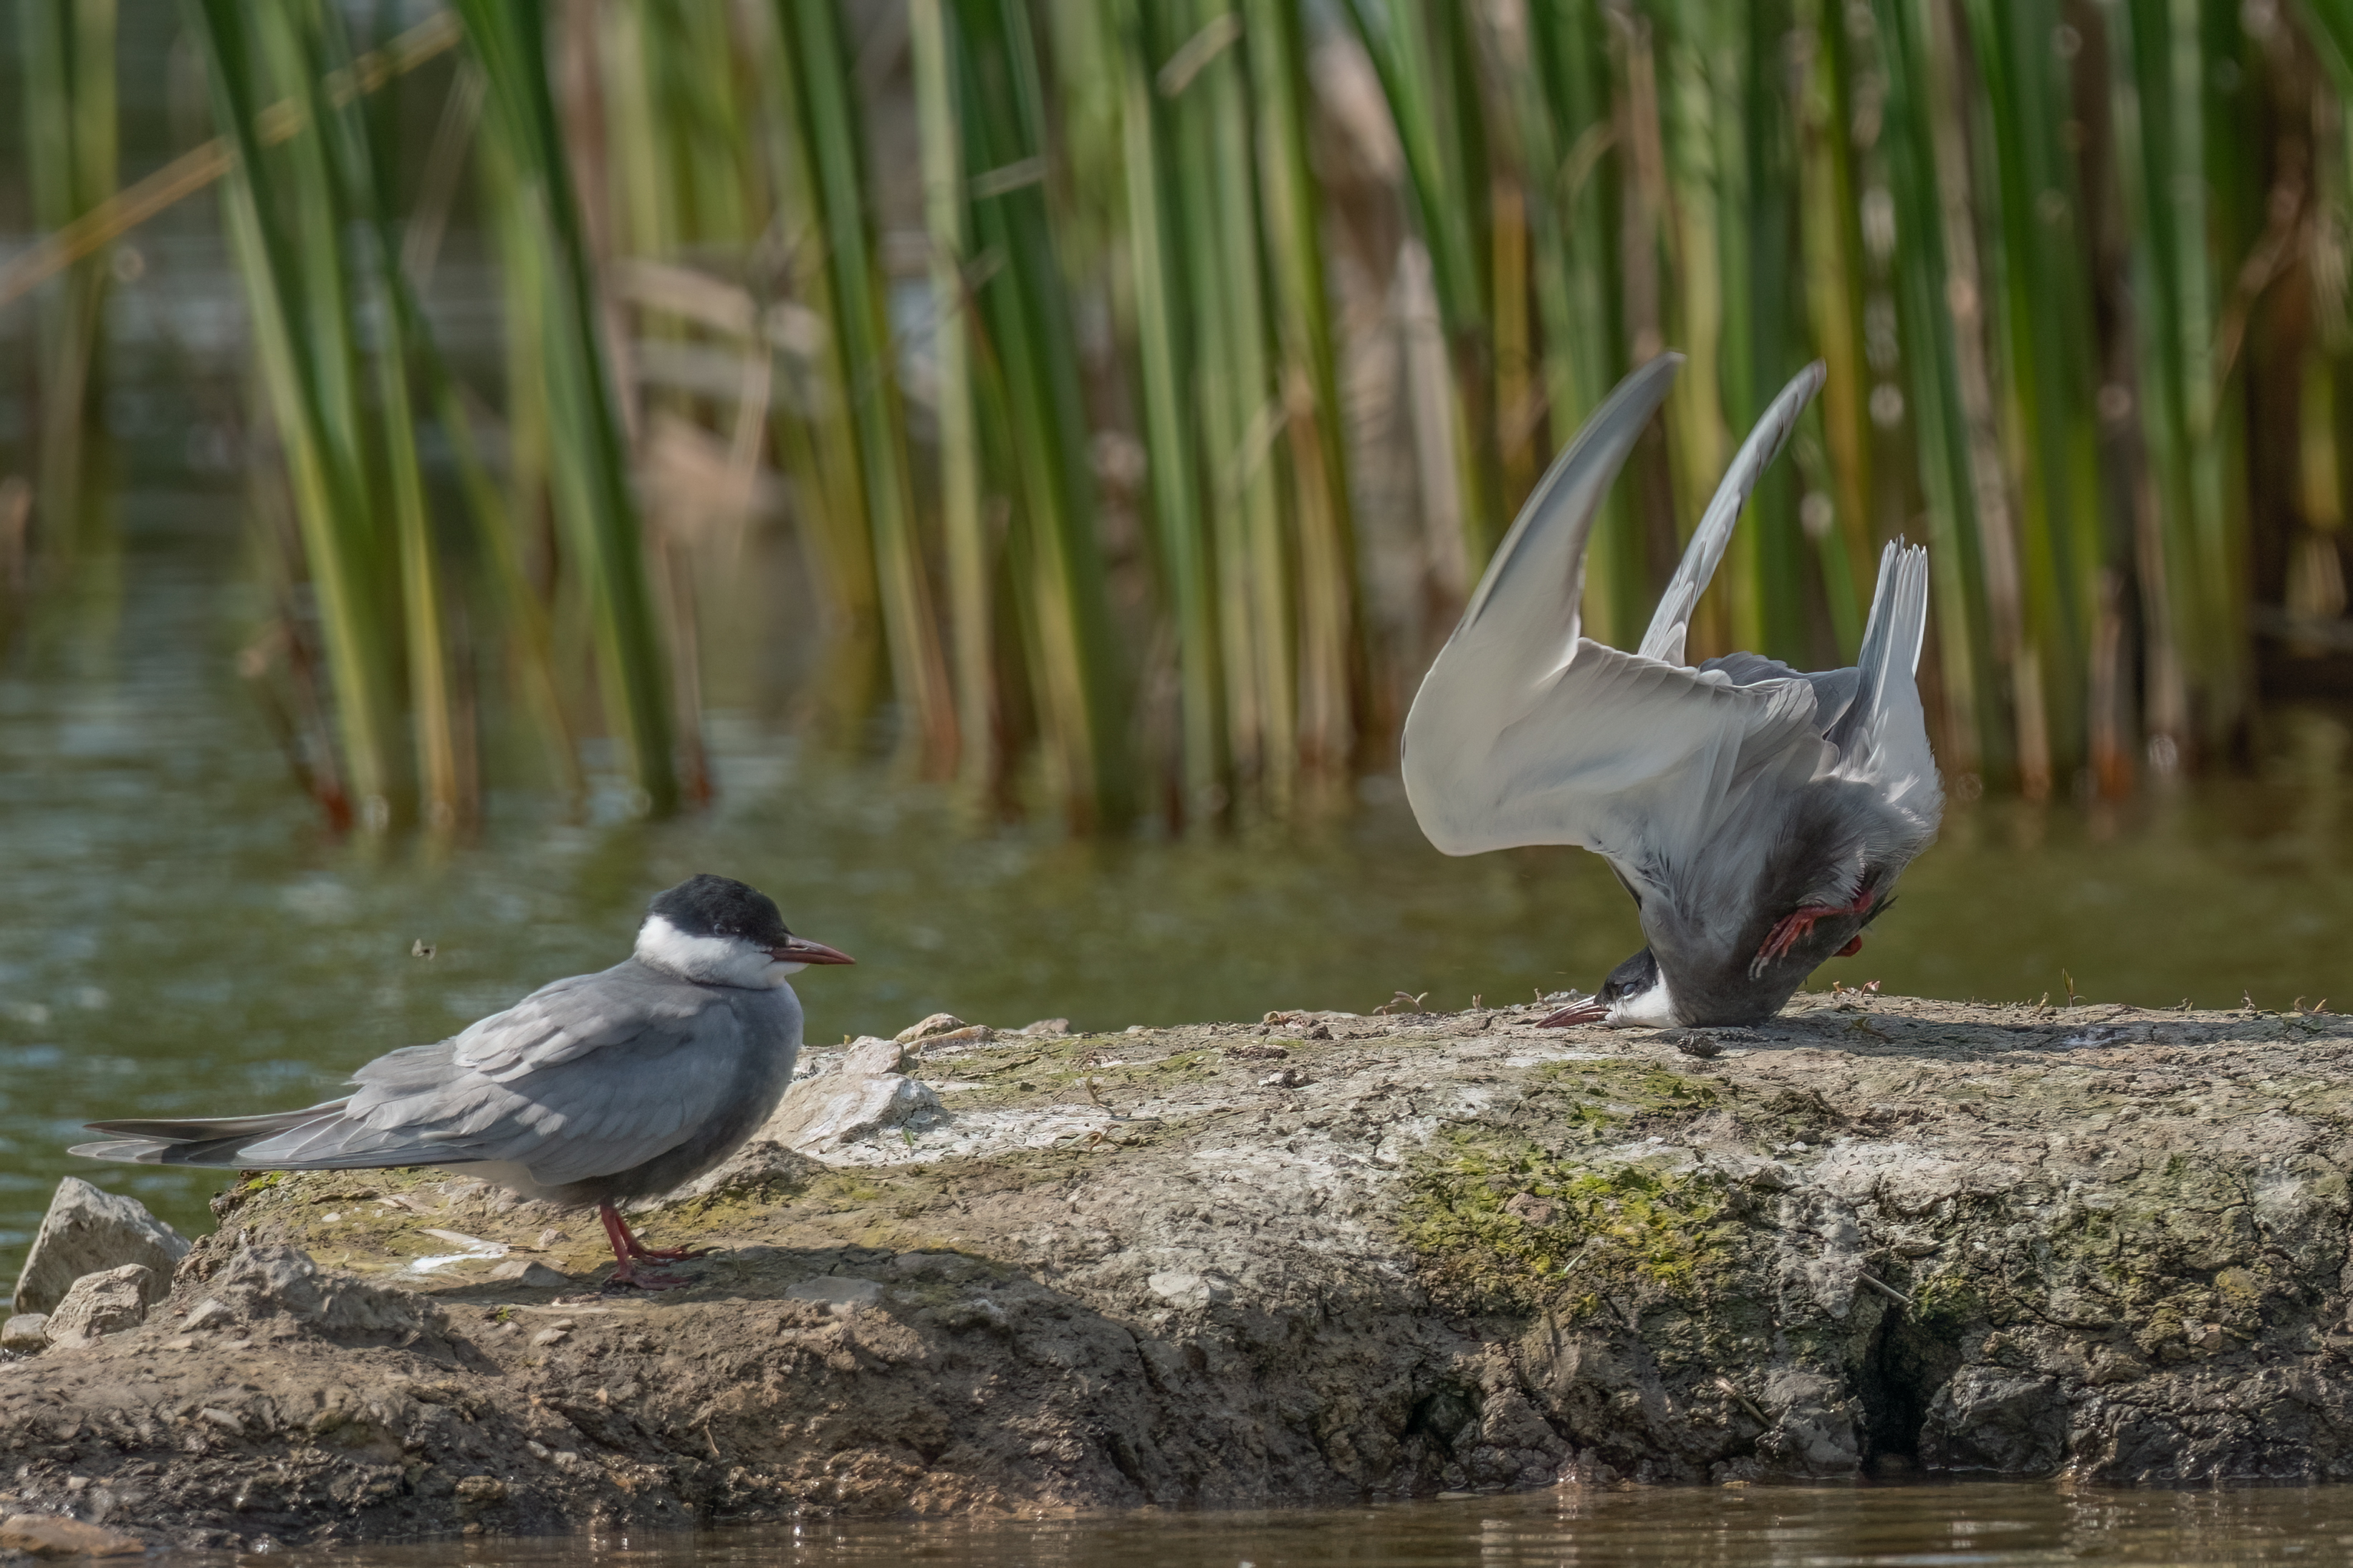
[(1672, 620), (1525, 732)]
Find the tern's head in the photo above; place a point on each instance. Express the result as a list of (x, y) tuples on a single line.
[(1634, 997), (722, 933), (1636, 994)]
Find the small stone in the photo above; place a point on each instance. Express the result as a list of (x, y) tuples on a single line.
[(870, 1056), (104, 1303), (89, 1231), (1285, 1078), (1699, 1046), (77, 1483), (550, 1336), (551, 1236), (823, 1112), (22, 1333), (227, 1420), (937, 1024), (205, 1313), (530, 1276), (1048, 1027), (52, 1535), (480, 1490)]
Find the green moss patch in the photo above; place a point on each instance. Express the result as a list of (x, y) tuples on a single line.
[(1521, 1229)]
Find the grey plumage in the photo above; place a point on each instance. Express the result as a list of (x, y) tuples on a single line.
[(1759, 815), (592, 1090)]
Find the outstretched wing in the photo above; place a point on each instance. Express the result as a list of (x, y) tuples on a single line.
[(584, 1078), (1672, 620), (1525, 732)]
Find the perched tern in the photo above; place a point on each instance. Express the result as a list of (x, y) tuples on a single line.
[(1759, 815), (594, 1089)]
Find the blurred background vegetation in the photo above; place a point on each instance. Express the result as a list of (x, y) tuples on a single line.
[(1106, 405)]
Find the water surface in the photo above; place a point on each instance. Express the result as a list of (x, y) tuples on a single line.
[(1981, 1526)]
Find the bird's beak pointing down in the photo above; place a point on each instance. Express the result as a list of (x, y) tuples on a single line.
[(800, 949)]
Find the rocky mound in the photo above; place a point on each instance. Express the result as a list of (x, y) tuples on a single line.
[(1312, 1259)]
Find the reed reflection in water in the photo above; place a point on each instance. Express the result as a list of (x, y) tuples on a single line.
[(1981, 1525)]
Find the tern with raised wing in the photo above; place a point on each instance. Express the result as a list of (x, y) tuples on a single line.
[(594, 1090), (1759, 815)]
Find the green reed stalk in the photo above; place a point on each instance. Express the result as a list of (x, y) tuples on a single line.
[(1970, 734), (1696, 299), (70, 161), (1074, 666), (2160, 164), (1755, 166), (971, 608), (1245, 458), (311, 43), (816, 438), (1836, 280), (1421, 50), (1330, 653), (589, 473), (1562, 107), (282, 221), (830, 123), (2041, 302), (1164, 331)]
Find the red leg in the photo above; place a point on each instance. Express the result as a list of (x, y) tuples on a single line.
[(628, 1252), (1792, 927)]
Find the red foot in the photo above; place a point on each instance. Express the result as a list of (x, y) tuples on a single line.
[(1793, 927), (1853, 946), (628, 1252)]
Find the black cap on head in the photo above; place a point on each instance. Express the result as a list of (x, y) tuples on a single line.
[(721, 906), (1631, 978)]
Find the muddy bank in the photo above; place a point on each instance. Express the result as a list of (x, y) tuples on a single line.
[(1306, 1261)]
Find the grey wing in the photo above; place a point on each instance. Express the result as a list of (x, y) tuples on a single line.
[(1672, 620), (1620, 753), (584, 1078), (1523, 732)]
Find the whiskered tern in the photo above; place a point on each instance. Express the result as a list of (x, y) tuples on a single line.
[(1759, 815), (594, 1090)]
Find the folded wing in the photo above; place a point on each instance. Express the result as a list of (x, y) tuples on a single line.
[(575, 1080)]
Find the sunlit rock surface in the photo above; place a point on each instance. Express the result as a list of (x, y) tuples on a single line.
[(1246, 1263)]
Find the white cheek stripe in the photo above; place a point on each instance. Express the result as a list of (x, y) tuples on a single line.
[(718, 959), (1654, 1006)]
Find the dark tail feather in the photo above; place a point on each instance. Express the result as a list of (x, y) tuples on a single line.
[(217, 1141)]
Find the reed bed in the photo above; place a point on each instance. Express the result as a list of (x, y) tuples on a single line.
[(1145, 412)]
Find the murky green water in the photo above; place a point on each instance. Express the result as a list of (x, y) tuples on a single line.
[(1985, 1526), (178, 935)]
